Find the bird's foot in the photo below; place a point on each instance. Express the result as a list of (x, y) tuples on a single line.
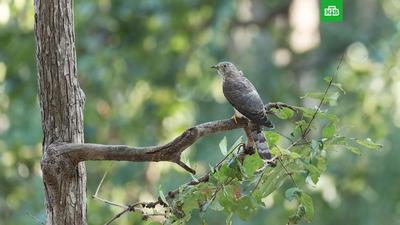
[(235, 118)]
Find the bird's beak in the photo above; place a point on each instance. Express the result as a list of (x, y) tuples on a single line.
[(214, 67)]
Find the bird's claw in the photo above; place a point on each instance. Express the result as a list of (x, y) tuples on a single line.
[(234, 117)]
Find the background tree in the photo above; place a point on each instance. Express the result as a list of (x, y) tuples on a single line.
[(114, 51)]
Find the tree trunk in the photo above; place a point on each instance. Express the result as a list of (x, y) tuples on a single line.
[(61, 103)]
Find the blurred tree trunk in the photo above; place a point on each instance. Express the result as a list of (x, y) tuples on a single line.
[(61, 103)]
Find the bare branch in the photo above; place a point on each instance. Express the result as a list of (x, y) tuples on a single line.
[(168, 152)]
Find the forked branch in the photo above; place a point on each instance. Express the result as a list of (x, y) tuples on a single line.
[(169, 152)]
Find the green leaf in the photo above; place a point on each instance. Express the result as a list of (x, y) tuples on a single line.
[(329, 131), (338, 140), (330, 98), (272, 137), (274, 151), (292, 193), (299, 128), (223, 173), (232, 169), (368, 143), (307, 202), (294, 155), (313, 172), (237, 142), (205, 206), (251, 164), (191, 202), (307, 112), (270, 183), (193, 177), (216, 206), (246, 207), (223, 146), (315, 95), (340, 87), (283, 113), (315, 148), (353, 149), (151, 223), (328, 79), (328, 116), (162, 196), (314, 145), (228, 220), (247, 186), (321, 163)]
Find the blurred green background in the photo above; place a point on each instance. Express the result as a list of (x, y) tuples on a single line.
[(145, 68)]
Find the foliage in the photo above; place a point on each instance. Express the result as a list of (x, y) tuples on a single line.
[(144, 67), (239, 183)]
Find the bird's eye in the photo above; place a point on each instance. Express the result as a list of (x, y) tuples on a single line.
[(224, 65)]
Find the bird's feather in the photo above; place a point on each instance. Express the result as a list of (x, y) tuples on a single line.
[(243, 96)]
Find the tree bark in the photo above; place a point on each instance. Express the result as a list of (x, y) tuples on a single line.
[(61, 103)]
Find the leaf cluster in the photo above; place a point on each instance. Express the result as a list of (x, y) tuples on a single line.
[(240, 183)]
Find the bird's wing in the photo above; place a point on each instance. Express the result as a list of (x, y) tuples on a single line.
[(243, 96)]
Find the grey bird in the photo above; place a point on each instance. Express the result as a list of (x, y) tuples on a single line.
[(246, 101)]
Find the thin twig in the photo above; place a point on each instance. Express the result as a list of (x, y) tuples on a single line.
[(285, 136), (117, 216), (171, 194), (306, 131), (287, 172), (110, 202), (95, 196), (35, 218), (102, 179)]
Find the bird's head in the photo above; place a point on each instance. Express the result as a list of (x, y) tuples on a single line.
[(225, 68)]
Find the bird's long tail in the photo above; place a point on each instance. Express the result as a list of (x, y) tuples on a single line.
[(260, 142)]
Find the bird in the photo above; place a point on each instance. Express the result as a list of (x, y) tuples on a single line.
[(246, 101)]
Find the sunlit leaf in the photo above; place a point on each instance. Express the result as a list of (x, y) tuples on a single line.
[(314, 95), (235, 145), (353, 149), (307, 202), (283, 113), (294, 155), (328, 79), (251, 164), (228, 220), (272, 137), (151, 223), (274, 151), (330, 98), (216, 206), (246, 207), (329, 130), (368, 143), (339, 86), (223, 146), (313, 172), (162, 196)]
